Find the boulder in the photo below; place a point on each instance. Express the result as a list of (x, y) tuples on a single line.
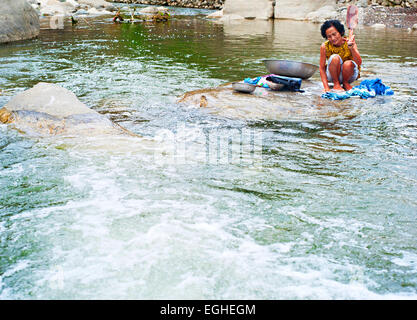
[(322, 14), (98, 4), (150, 10), (94, 11), (154, 10), (163, 9), (19, 21), (74, 3), (49, 109), (55, 7), (259, 9), (305, 10)]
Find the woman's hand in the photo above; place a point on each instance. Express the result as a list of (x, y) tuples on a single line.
[(351, 41), (354, 48)]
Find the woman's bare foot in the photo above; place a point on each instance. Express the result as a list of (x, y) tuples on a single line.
[(336, 90), (347, 86)]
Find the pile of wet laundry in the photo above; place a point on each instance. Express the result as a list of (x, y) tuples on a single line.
[(369, 88)]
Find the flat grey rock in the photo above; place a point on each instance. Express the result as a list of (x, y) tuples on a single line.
[(50, 109)]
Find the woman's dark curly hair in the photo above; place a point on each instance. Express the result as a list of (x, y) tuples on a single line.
[(332, 23)]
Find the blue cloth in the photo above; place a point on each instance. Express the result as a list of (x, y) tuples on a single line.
[(377, 86), (366, 89), (260, 81), (254, 81)]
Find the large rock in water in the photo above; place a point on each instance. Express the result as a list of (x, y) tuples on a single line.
[(18, 21), (316, 11), (259, 9), (269, 105), (50, 109)]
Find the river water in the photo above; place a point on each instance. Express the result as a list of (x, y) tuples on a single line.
[(320, 208)]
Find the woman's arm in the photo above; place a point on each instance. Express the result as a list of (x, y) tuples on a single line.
[(354, 50), (323, 68)]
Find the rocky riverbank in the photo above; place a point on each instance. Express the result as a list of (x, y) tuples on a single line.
[(402, 15), (218, 4), (378, 13), (385, 3), (381, 13), (48, 8), (202, 4), (391, 17)]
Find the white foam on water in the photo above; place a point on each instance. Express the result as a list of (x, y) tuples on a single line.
[(21, 265), (113, 246), (7, 293), (15, 168), (408, 259), (134, 233)]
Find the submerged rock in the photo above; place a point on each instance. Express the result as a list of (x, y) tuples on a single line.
[(19, 21), (50, 109)]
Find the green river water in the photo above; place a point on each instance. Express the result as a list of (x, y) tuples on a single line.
[(320, 208)]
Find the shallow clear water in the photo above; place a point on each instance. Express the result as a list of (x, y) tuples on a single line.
[(311, 209)]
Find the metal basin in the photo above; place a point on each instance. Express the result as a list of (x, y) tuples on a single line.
[(243, 87), (290, 68)]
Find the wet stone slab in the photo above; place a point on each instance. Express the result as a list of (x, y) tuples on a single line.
[(265, 104)]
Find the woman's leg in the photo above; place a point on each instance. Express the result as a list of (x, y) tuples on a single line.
[(348, 70), (335, 68)]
